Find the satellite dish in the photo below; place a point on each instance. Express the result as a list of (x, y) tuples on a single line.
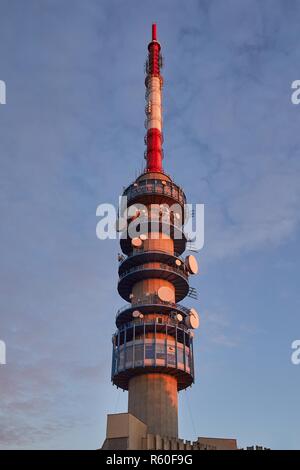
[(179, 317), (165, 293), (178, 262), (164, 182), (136, 242), (192, 320), (191, 264), (143, 236), (141, 315), (136, 314)]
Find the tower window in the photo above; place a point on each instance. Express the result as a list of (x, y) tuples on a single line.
[(150, 350)]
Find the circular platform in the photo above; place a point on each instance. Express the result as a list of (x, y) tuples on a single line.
[(146, 226), (136, 352), (148, 256), (150, 304), (170, 273), (157, 191)]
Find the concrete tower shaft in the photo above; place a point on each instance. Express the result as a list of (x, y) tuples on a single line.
[(153, 399)]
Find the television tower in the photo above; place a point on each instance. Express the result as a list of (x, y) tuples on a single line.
[(153, 346)]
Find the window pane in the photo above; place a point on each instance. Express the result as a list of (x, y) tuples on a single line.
[(187, 357), (139, 352), (160, 351), (171, 355), (149, 350), (191, 359), (121, 360), (180, 355), (115, 357), (129, 356)]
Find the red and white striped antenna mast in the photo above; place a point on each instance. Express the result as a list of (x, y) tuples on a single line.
[(153, 82)]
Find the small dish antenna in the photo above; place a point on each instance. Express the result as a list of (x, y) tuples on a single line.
[(165, 293), (136, 242), (192, 320), (191, 264), (143, 237)]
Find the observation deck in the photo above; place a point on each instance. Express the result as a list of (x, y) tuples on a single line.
[(169, 350)]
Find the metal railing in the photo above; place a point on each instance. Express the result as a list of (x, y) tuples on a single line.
[(142, 251), (131, 351), (163, 321), (162, 266), (153, 299), (160, 187), (155, 218)]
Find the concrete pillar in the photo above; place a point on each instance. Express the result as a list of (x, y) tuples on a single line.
[(174, 444), (180, 444), (166, 444), (158, 442), (150, 442), (188, 445), (153, 399)]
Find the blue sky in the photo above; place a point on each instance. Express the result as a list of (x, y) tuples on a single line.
[(71, 136)]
